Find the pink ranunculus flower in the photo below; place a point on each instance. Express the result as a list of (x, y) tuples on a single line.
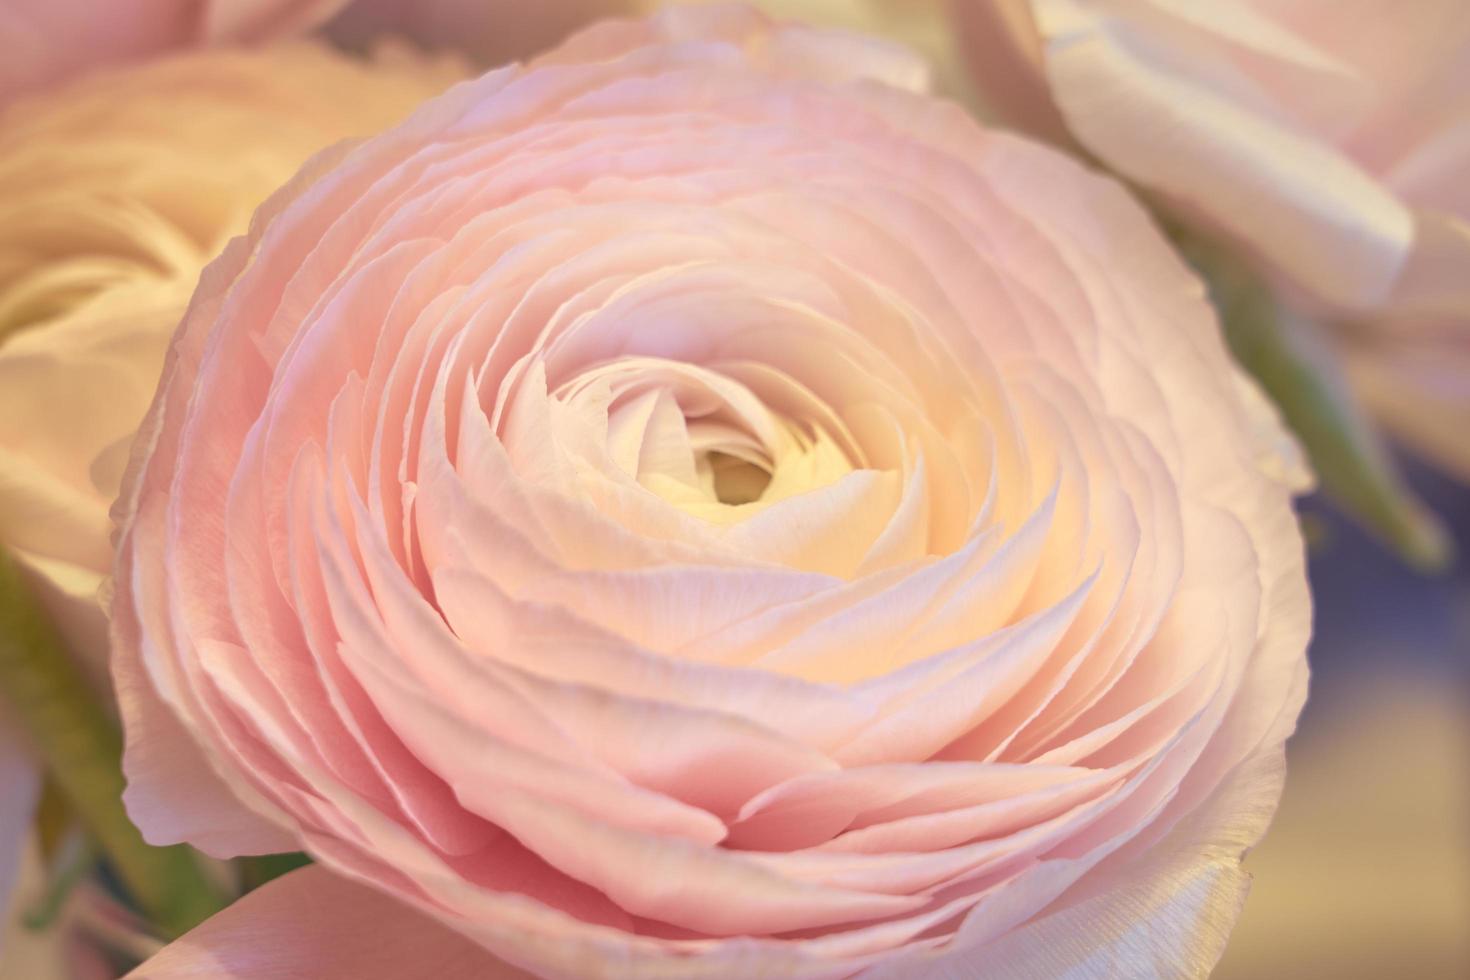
[(695, 506), (48, 40), (115, 191), (1330, 137)]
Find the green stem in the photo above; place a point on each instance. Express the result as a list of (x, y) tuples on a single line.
[(1299, 371), (82, 750)]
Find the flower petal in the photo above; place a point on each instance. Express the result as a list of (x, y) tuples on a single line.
[(1334, 227), (314, 925)]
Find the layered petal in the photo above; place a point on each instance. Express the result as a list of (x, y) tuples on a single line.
[(694, 506)]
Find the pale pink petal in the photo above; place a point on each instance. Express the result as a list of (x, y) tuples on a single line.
[(1166, 913), (173, 793)]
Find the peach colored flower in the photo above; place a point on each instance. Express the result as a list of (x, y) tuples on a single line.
[(695, 507), (1330, 137), (115, 191), (48, 40)]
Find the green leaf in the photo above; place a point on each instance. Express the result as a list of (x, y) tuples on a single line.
[(257, 871), (71, 868), (82, 750), (1298, 368)]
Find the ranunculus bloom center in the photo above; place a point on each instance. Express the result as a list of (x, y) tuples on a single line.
[(699, 437)]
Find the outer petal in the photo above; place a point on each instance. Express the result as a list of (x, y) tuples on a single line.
[(314, 925), (173, 794), (1165, 914)]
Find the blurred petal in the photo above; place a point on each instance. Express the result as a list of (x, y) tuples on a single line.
[(1421, 391), (48, 41), (1334, 228), (314, 925), (44, 40), (1003, 50), (493, 32), (20, 785), (1434, 284), (254, 20)]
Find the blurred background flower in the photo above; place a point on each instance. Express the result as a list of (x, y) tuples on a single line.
[(115, 190)]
